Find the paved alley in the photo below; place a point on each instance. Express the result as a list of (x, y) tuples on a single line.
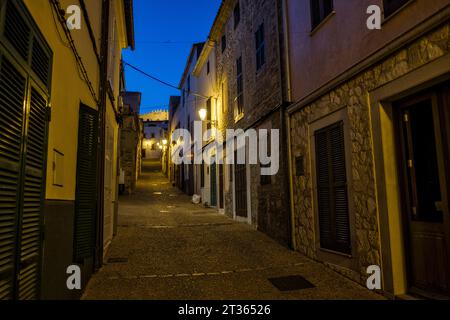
[(168, 248)]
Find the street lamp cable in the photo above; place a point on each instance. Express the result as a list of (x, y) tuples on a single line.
[(162, 81)]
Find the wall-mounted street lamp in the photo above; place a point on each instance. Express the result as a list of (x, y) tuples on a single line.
[(165, 142), (203, 113)]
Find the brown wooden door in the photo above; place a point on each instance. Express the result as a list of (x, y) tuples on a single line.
[(426, 207), (240, 185), (221, 186)]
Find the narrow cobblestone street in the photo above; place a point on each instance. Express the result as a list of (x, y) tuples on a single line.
[(177, 250)]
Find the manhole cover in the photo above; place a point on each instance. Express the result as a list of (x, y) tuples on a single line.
[(117, 260), (291, 283)]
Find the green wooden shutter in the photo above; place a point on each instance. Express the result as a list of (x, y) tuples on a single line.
[(40, 62), (33, 193), (17, 30), (86, 190), (332, 190), (23, 150), (12, 94)]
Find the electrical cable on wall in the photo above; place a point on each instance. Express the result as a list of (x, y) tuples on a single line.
[(82, 68), (163, 82)]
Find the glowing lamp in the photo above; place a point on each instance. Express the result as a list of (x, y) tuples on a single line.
[(202, 113)]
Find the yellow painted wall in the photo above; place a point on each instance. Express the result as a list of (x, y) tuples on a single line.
[(67, 91), (115, 50)]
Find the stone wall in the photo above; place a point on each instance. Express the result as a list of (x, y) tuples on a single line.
[(353, 95), (262, 94), (130, 150)]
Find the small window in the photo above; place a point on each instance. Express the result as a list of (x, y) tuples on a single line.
[(208, 68), (240, 87), (391, 6), (224, 43), (237, 15), (320, 9), (260, 47)]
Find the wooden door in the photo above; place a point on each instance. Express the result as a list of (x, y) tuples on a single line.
[(426, 207), (221, 186), (213, 180), (240, 186), (86, 185)]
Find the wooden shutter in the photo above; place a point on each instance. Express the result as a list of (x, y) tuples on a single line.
[(33, 193), (86, 190), (23, 151), (12, 95), (17, 30), (40, 62), (23, 184), (332, 194)]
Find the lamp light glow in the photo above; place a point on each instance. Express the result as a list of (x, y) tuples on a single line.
[(202, 113)]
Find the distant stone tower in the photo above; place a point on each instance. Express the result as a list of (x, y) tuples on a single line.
[(157, 115)]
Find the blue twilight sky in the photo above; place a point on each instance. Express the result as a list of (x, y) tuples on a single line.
[(181, 22)]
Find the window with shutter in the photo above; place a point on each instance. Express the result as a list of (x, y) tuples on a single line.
[(260, 47), (332, 197), (23, 150)]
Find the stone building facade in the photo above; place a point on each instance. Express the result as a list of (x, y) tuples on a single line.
[(233, 36), (364, 99), (131, 139)]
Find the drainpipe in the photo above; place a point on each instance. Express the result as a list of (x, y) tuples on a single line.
[(103, 90), (284, 119), (287, 70)]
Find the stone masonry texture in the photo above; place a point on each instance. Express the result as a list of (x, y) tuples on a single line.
[(354, 96), (262, 95)]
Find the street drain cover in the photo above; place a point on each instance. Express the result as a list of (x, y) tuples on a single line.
[(117, 260), (291, 283)]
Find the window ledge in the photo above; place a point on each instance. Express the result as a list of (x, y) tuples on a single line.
[(337, 253), (385, 20), (321, 24)]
